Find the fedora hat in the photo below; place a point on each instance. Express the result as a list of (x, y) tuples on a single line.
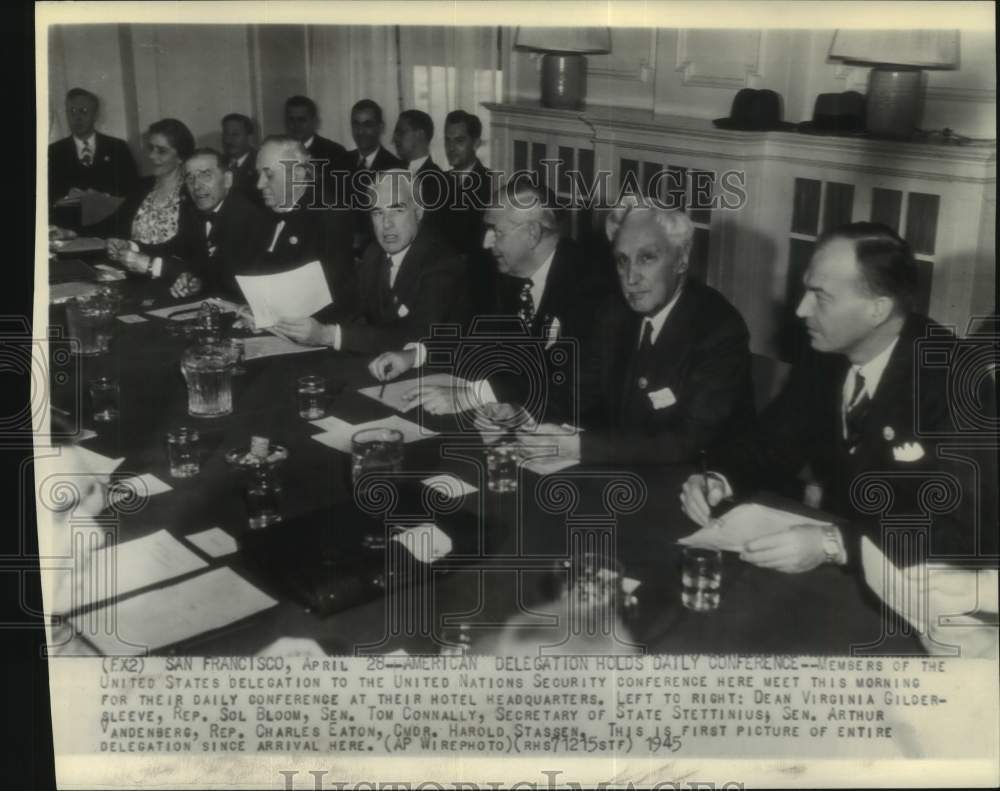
[(755, 111), (837, 114)]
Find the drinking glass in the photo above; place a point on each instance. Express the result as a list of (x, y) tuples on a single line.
[(239, 350), (104, 399), (701, 578), (90, 320), (501, 466), (208, 370), (376, 450), (260, 467), (312, 397), (183, 450)]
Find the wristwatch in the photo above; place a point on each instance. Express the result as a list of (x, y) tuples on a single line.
[(832, 548)]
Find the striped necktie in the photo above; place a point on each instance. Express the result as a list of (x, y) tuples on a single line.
[(87, 155)]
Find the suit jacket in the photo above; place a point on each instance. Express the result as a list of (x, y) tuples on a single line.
[(462, 218), (235, 239), (431, 182), (428, 290), (245, 179), (113, 170), (804, 425), (356, 178), (311, 233), (693, 390), (327, 156)]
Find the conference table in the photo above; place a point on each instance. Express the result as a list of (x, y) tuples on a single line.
[(352, 595)]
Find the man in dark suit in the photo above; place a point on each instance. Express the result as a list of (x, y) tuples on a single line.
[(325, 156), (864, 411), (545, 296), (88, 160), (299, 230), (412, 139), (667, 371), (237, 134), (362, 164), (410, 279), (469, 189)]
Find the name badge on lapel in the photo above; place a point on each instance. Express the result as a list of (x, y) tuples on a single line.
[(551, 333), (661, 399)]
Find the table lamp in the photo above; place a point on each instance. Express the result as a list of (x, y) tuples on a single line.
[(895, 88), (564, 67)]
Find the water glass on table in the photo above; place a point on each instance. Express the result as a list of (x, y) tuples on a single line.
[(183, 452), (376, 450), (208, 371), (239, 352), (104, 399), (90, 321), (312, 397), (701, 578), (502, 460)]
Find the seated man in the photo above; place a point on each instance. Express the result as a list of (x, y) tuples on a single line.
[(215, 236), (667, 372), (299, 230), (853, 407), (410, 279), (545, 293)]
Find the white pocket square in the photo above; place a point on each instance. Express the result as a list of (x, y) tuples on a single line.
[(552, 332), (908, 451), (661, 399), (403, 311)]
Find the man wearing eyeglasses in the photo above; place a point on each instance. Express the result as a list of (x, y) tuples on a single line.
[(215, 236)]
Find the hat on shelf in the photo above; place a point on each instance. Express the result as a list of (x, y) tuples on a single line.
[(755, 111), (837, 114)]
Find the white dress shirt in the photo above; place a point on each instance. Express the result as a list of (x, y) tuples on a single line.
[(658, 319), (872, 372), (90, 141), (416, 164), (367, 161)]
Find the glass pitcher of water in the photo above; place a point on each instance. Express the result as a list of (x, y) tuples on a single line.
[(208, 370), (90, 319)]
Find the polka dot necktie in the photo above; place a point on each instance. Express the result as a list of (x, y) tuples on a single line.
[(526, 303), (87, 156)]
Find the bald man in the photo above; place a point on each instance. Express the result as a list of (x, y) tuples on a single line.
[(667, 373), (410, 278), (299, 229)]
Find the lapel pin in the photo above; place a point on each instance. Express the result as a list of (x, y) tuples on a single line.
[(293, 240), (643, 383), (888, 434)]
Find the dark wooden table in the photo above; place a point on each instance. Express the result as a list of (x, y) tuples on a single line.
[(506, 547)]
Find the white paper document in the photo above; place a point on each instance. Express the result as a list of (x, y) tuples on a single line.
[(337, 433), (138, 486), (426, 542), (546, 465), (63, 292), (394, 391), (272, 346), (122, 568), (178, 612), (185, 312), (449, 485), (745, 522), (214, 542), (96, 463), (131, 318), (82, 244), (294, 294)]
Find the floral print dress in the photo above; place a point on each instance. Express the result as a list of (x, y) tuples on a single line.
[(156, 224)]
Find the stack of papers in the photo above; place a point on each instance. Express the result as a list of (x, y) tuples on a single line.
[(287, 295), (178, 612), (731, 532), (337, 433)]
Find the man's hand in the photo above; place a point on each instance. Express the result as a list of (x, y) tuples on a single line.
[(542, 438), (797, 549), (442, 399), (696, 504), (186, 285), (390, 365), (57, 234), (307, 331), (115, 248), (494, 421), (134, 262)]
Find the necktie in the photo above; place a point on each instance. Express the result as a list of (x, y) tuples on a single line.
[(87, 156), (526, 302), (643, 354), (635, 404), (854, 414), (208, 239)]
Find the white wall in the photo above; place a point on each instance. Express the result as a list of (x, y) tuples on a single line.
[(697, 73)]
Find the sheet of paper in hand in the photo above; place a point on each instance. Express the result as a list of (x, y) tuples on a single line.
[(744, 523), (272, 346), (294, 294), (394, 391)]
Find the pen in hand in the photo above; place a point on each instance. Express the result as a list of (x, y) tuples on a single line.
[(381, 390)]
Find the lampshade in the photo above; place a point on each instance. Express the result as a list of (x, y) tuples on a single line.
[(583, 41), (925, 49)]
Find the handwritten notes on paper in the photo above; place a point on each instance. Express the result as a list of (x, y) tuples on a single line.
[(294, 294), (337, 433)]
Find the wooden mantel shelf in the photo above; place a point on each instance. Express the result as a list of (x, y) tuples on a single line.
[(667, 134)]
